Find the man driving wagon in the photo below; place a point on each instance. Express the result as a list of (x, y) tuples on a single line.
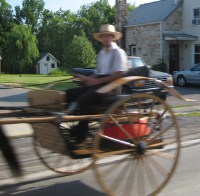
[(111, 65)]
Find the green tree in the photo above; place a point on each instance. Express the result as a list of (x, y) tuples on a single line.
[(131, 7), (56, 31), (79, 53), (19, 15), (22, 47), (96, 13), (32, 13), (58, 28), (6, 21)]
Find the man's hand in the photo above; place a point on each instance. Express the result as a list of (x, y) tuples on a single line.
[(87, 80), (91, 81), (80, 77)]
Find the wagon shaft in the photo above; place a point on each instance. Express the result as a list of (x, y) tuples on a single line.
[(42, 119)]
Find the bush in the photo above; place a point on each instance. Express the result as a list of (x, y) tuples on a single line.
[(58, 72), (159, 67), (79, 53)]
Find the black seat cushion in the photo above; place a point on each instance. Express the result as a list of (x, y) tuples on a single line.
[(138, 71)]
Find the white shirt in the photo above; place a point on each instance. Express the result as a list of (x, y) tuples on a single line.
[(111, 61)]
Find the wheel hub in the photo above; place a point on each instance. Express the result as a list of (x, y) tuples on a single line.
[(140, 148)]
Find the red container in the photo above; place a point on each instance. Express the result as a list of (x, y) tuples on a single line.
[(138, 129)]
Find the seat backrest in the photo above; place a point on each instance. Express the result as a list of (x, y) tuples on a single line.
[(138, 71)]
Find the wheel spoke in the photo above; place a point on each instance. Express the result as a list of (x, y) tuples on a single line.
[(161, 154), (160, 144), (116, 152), (157, 166), (160, 133), (117, 140)]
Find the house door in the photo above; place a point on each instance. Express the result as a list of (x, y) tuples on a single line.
[(45, 69), (173, 58)]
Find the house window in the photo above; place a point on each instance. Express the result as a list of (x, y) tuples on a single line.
[(53, 65), (47, 58), (197, 54), (133, 50), (196, 16), (197, 13)]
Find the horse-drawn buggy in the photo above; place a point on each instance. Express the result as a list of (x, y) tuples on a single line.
[(133, 140)]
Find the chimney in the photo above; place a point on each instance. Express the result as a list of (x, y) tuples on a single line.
[(120, 17)]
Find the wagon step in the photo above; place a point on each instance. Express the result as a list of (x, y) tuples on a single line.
[(80, 153)]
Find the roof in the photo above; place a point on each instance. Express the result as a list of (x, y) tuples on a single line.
[(179, 36), (152, 12), (43, 55)]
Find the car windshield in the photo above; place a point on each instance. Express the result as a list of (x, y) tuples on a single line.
[(196, 68), (136, 62)]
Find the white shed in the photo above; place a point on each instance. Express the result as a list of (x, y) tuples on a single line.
[(46, 63)]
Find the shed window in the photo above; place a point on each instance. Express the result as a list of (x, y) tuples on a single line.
[(47, 58), (197, 54), (53, 65)]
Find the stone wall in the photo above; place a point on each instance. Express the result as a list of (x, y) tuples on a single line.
[(147, 40), (174, 21)]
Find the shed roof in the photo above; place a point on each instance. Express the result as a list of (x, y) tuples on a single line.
[(43, 55), (152, 12)]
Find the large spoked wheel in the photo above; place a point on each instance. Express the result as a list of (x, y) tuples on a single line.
[(137, 146), (51, 148)]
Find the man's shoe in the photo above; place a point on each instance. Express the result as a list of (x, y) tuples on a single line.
[(86, 144)]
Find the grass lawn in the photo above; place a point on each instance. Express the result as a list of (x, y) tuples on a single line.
[(37, 81), (192, 114)]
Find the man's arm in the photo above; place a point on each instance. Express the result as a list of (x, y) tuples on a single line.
[(91, 81)]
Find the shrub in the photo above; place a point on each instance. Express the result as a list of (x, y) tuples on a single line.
[(58, 72), (159, 67)]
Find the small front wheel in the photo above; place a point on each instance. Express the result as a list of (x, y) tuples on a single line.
[(50, 147)]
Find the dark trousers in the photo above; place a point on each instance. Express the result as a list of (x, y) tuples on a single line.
[(85, 97)]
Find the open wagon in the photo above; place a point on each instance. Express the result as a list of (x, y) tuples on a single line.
[(133, 141)]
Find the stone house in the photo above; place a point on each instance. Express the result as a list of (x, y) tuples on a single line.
[(164, 31), (46, 63)]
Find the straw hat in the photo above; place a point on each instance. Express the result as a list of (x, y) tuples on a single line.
[(107, 29)]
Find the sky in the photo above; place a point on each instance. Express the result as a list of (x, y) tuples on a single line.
[(73, 5)]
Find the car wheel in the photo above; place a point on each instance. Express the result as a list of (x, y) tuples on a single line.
[(126, 90), (181, 81)]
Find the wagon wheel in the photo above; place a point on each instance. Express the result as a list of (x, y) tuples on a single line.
[(50, 146), (137, 146)]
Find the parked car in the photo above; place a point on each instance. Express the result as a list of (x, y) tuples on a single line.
[(189, 76), (138, 67)]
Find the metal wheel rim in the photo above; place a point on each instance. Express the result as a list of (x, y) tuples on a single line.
[(98, 173)]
